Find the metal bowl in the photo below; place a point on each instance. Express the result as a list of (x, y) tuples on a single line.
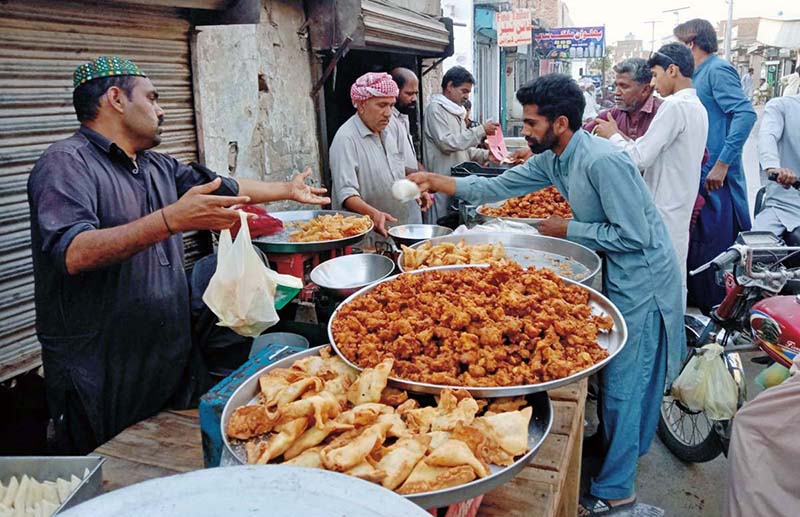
[(279, 242), (343, 276), (410, 234)]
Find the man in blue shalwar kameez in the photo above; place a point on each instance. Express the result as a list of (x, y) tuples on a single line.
[(613, 213), (722, 181)]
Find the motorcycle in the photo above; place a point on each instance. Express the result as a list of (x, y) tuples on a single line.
[(759, 311)]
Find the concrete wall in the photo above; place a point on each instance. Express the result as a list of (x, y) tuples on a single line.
[(252, 88), (430, 7), (288, 124), (225, 70)]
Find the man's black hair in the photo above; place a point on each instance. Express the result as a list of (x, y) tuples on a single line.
[(400, 76), (750, 70), (86, 97), (700, 32), (637, 68), (676, 54), (555, 95), (457, 75)]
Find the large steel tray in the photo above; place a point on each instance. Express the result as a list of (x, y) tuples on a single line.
[(613, 341), (565, 258), (279, 242), (539, 426), (481, 211), (246, 491)]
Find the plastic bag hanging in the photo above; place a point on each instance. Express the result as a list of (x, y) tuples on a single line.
[(706, 385), (242, 291)]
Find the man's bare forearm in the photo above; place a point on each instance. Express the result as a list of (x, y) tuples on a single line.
[(358, 205), (94, 249), (264, 192)]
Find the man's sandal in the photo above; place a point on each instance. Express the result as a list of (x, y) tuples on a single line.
[(599, 506)]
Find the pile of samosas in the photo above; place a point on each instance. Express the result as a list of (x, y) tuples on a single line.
[(322, 413), (451, 254)]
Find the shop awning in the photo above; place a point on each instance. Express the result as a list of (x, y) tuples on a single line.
[(378, 25), (779, 33)]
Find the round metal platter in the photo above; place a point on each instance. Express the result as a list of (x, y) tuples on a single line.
[(565, 258), (481, 211), (275, 490), (613, 341), (279, 242), (539, 426)]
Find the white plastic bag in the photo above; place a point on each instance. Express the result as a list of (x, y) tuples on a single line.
[(242, 291), (706, 385), (497, 226)]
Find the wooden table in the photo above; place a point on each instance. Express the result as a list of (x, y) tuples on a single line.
[(169, 443)]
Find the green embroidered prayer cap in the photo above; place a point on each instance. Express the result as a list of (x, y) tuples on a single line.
[(105, 66)]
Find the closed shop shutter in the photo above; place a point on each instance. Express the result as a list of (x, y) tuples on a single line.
[(41, 43)]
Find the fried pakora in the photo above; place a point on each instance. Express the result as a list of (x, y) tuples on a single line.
[(536, 205), (497, 326)]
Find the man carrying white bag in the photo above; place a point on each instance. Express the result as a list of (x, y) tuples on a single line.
[(242, 291)]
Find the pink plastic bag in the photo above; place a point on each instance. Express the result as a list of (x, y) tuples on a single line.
[(497, 145)]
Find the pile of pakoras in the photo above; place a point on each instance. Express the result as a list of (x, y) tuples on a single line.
[(497, 326), (536, 205), (451, 253), (322, 413), (330, 227)]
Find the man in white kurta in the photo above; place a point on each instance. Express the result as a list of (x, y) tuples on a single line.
[(670, 153), (365, 160), (446, 139)]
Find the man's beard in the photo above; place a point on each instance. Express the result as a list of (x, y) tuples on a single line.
[(548, 142), (406, 109)]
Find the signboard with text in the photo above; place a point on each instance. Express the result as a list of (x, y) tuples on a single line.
[(571, 43), (514, 28)]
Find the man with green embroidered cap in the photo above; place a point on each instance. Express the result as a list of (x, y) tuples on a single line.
[(107, 214)]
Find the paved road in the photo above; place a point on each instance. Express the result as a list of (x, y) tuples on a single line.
[(694, 490)]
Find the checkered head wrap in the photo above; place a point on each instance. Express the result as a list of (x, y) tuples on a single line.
[(373, 84)]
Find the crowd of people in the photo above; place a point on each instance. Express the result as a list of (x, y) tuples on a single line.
[(655, 183)]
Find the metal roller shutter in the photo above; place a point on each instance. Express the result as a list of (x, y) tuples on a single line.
[(41, 42)]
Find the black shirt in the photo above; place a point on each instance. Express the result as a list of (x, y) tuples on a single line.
[(119, 335)]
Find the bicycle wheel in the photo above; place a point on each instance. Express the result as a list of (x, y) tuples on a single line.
[(688, 434)]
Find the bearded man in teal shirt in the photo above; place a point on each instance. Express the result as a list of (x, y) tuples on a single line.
[(614, 213)]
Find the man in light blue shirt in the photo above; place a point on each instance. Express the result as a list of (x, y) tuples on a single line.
[(779, 152), (614, 213), (722, 183)]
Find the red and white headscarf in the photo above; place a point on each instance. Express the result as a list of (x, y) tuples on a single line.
[(373, 84)]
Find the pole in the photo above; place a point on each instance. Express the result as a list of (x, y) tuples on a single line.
[(729, 31), (652, 34)]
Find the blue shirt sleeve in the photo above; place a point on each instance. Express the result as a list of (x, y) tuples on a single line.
[(728, 93), (63, 203), (194, 174), (623, 202), (517, 181)]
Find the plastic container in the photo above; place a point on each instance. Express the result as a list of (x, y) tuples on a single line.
[(277, 338)]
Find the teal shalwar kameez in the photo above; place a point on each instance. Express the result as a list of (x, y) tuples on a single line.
[(614, 213)]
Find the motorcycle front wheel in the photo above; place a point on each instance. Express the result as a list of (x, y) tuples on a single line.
[(689, 435)]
